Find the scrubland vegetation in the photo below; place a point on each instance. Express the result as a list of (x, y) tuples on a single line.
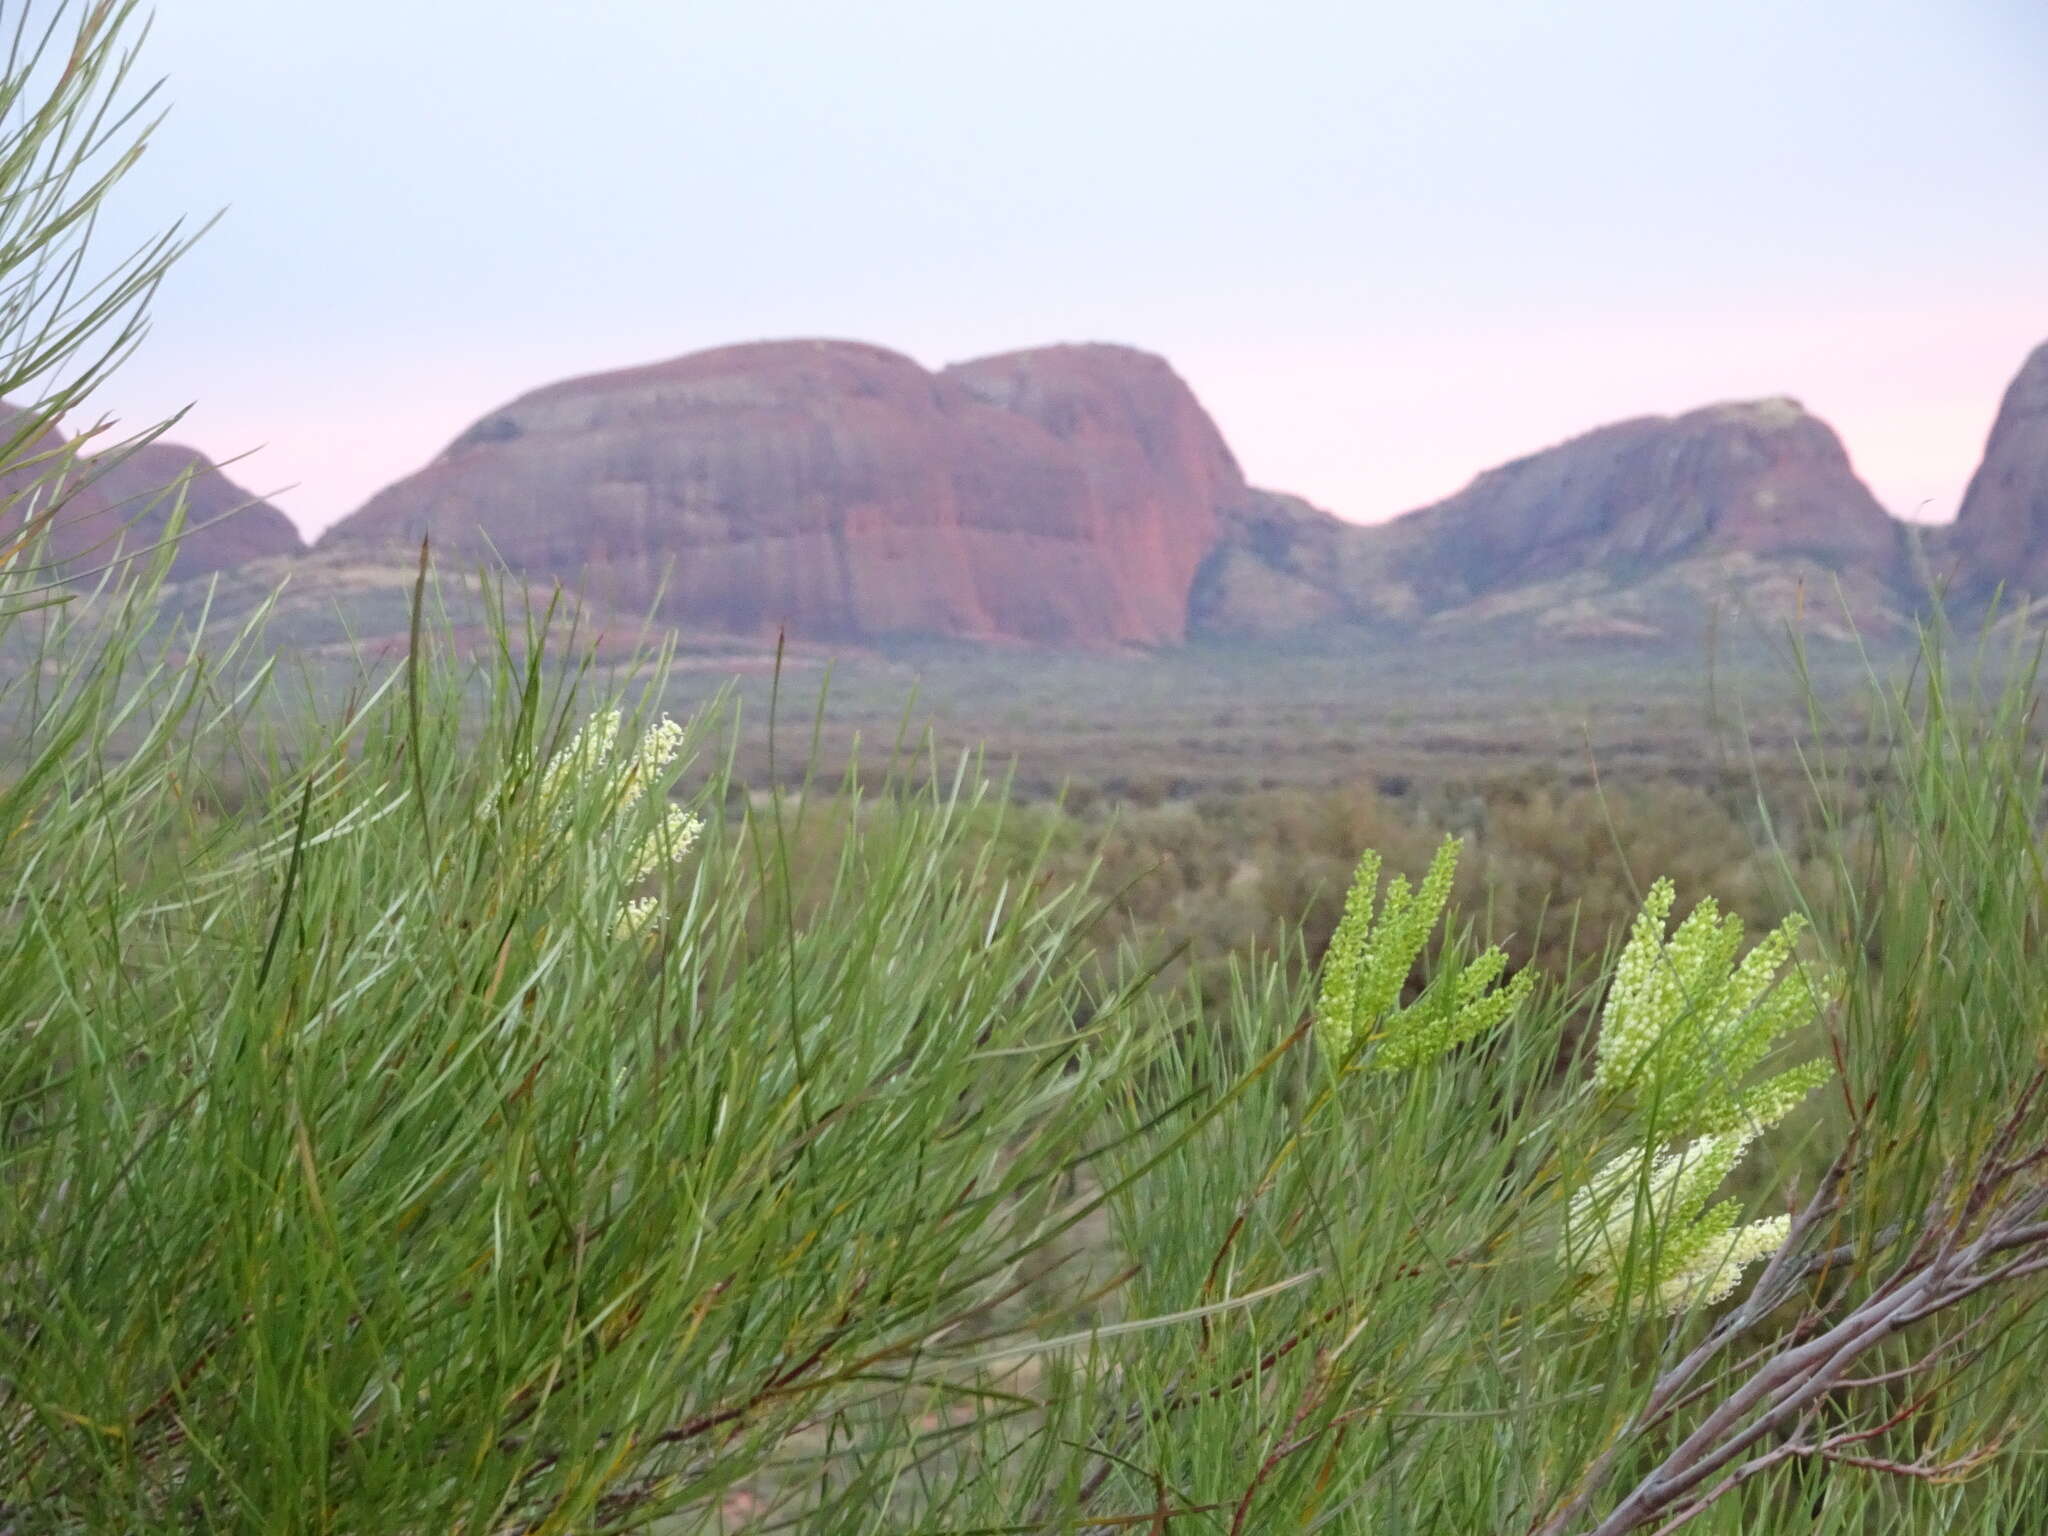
[(457, 1135), (470, 1102)]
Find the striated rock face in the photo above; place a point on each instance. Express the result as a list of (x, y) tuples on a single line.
[(2000, 535), (122, 500), (1064, 495), (1155, 467)]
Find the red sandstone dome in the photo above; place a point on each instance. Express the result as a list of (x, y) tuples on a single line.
[(1064, 495)]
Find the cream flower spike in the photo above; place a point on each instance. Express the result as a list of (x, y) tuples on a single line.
[(1684, 1024), (589, 769), (1644, 1218)]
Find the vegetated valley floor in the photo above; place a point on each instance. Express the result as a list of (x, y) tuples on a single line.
[(1215, 720)]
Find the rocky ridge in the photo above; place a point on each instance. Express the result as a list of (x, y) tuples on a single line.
[(1079, 496), (1632, 530), (121, 500)]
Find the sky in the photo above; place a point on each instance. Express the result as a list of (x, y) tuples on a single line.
[(1387, 245)]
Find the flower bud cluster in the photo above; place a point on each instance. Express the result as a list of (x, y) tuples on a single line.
[(1369, 960), (579, 764), (1644, 1224), (589, 775), (1684, 1024)]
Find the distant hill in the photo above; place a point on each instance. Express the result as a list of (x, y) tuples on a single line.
[(1062, 496), (1080, 497), (1631, 531), (120, 501)]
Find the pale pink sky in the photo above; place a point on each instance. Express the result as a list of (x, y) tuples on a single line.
[(1388, 246)]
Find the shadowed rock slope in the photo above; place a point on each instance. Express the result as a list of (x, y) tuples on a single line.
[(121, 501), (1631, 530), (1062, 496)]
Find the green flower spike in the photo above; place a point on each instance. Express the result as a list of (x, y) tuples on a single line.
[(1369, 961)]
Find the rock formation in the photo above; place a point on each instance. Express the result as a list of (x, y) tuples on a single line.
[(1064, 495), (2000, 535), (121, 500), (1281, 566), (1079, 496), (1759, 478), (1584, 539)]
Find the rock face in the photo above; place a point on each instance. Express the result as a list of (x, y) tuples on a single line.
[(1064, 495), (1079, 496), (229, 527), (1595, 538), (2000, 535), (122, 500), (1281, 566), (1759, 478)]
